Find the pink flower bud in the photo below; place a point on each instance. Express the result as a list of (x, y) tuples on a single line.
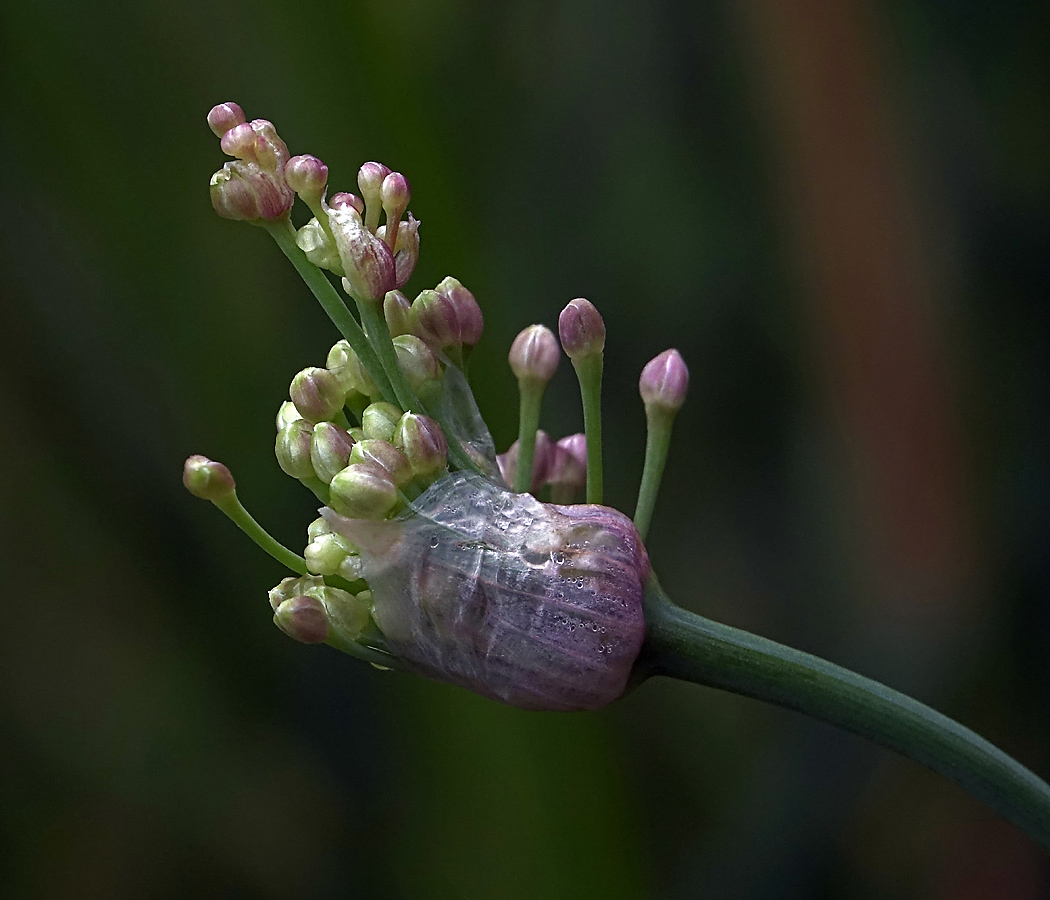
[(223, 117), (406, 249), (367, 261), (244, 192), (417, 361), (317, 394), (303, 619), (363, 491), (257, 142), (468, 313), (379, 420), (330, 449), (307, 176), (581, 329), (534, 354), (207, 479), (386, 456), (664, 382), (370, 182), (343, 200), (421, 439), (395, 194), (569, 466)]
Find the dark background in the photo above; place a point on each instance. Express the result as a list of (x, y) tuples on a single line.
[(839, 212)]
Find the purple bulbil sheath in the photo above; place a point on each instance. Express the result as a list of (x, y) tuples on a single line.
[(535, 605)]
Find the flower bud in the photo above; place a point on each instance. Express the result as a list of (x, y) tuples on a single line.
[(395, 194), (552, 620), (317, 394), (343, 200), (397, 310), (346, 614), (225, 116), (543, 459), (345, 364), (332, 554), (417, 361), (207, 479), (534, 355), (581, 329), (406, 249), (380, 420), (568, 469), (287, 414), (330, 449), (386, 456), (664, 382), (292, 449), (314, 241), (370, 179), (363, 491), (244, 192), (423, 442), (367, 261), (303, 619), (307, 176), (257, 142), (468, 313)]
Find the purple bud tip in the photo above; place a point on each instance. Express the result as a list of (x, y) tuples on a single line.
[(664, 382), (534, 354), (421, 439), (207, 479), (343, 200), (306, 175), (468, 313), (225, 116), (581, 329), (303, 618)]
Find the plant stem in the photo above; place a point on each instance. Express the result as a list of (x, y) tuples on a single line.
[(589, 373), (657, 441), (233, 508), (379, 334), (333, 305), (529, 405), (684, 645)]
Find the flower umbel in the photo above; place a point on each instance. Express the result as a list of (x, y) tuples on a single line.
[(425, 559)]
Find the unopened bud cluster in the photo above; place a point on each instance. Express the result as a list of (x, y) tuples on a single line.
[(421, 554)]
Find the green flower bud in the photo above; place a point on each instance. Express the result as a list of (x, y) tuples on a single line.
[(208, 479), (316, 528), (329, 450), (397, 310), (363, 491), (344, 363), (417, 361), (386, 456), (423, 442), (317, 394), (293, 449), (287, 414), (313, 240), (379, 420), (326, 554)]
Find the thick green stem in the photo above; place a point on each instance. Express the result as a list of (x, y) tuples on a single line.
[(589, 373), (379, 334), (232, 507), (332, 304), (529, 405), (657, 440), (683, 645)]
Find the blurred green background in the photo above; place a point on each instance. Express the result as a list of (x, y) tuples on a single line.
[(839, 212)]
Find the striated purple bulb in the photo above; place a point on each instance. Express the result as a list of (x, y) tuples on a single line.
[(535, 605)]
